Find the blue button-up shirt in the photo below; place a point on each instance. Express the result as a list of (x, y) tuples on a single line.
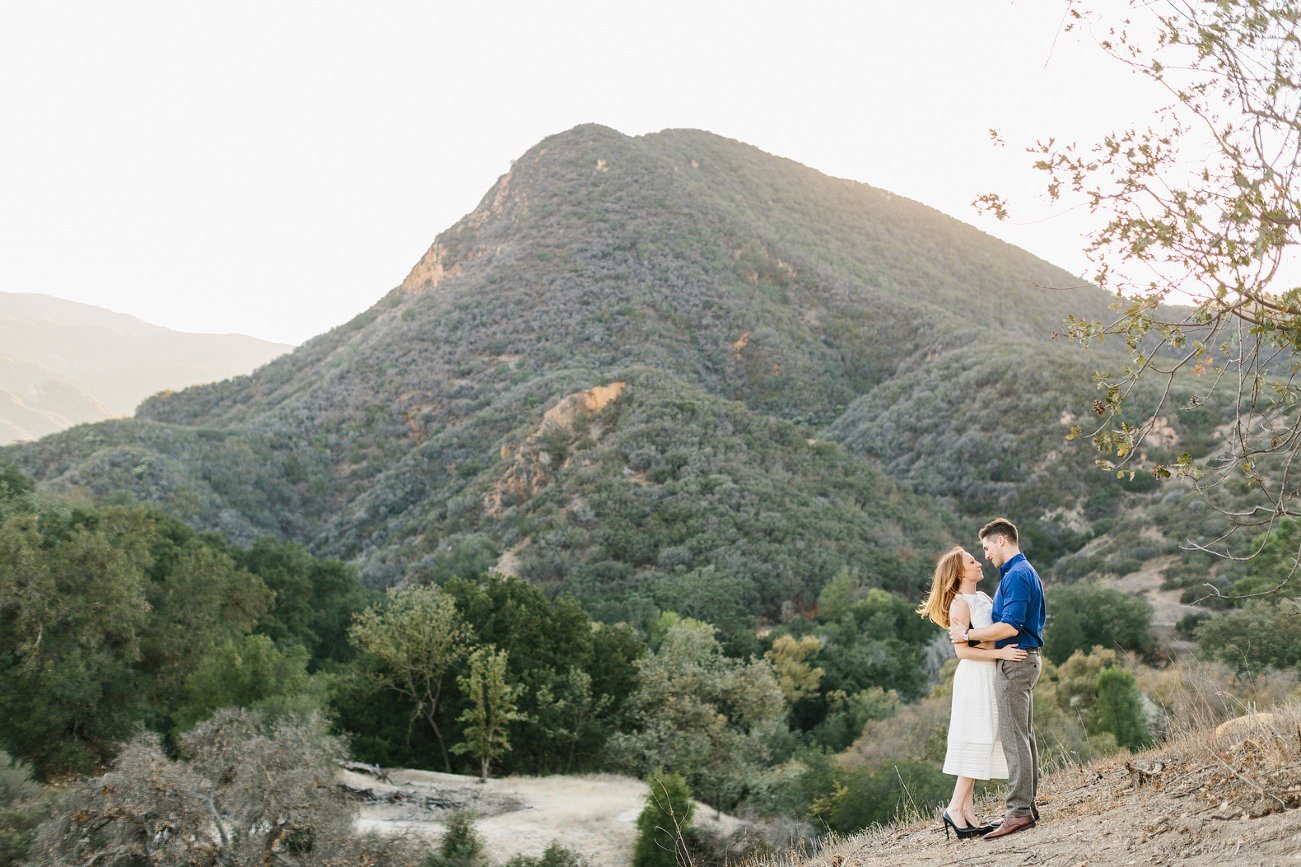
[(1019, 602)]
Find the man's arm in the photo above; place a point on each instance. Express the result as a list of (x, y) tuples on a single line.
[(995, 632), (1016, 604), (958, 633)]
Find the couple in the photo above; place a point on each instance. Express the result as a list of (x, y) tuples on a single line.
[(997, 642)]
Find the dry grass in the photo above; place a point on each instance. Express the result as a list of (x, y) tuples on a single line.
[(1194, 696)]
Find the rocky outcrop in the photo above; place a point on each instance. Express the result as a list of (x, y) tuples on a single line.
[(536, 460)]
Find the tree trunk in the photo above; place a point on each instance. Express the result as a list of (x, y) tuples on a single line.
[(447, 763)]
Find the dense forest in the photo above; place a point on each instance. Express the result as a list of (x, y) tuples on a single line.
[(643, 468)]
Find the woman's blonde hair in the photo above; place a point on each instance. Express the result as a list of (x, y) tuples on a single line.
[(944, 586)]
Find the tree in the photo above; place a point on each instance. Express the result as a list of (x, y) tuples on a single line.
[(842, 591), (552, 645), (492, 710), (1086, 615), (1120, 708), (848, 714), (1254, 636), (1273, 563), (575, 708), (1077, 680), (662, 822), (1103, 697), (201, 600), (13, 483), (700, 714), (418, 636), (1219, 235), (315, 598), (105, 615), (704, 594), (72, 613), (252, 673), (796, 677)]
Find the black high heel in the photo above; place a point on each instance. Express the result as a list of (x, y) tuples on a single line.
[(963, 833)]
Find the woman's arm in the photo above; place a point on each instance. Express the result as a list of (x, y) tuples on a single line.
[(1011, 652), (959, 621)]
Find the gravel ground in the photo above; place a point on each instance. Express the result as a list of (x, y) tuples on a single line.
[(594, 815)]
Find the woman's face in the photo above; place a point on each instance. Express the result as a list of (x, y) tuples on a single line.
[(971, 567)]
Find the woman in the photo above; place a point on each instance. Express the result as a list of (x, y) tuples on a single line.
[(975, 751)]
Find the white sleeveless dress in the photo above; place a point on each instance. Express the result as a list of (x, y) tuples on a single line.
[(975, 749)]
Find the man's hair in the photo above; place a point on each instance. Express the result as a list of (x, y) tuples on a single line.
[(1000, 527)]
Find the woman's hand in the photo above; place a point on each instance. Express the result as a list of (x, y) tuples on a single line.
[(1011, 653)]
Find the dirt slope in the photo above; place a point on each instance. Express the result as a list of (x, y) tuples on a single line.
[(1210, 800)]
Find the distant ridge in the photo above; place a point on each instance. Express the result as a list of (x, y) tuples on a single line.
[(64, 363)]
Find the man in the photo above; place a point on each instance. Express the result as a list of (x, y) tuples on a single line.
[(1019, 615)]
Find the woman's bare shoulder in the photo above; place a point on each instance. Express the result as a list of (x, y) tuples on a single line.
[(959, 607)]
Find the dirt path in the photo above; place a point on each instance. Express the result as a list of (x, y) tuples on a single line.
[(594, 815), (1167, 610)]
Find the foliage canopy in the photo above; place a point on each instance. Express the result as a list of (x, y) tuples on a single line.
[(1224, 235)]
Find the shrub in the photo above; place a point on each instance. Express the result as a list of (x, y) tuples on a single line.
[(663, 821), (460, 846), (241, 791), (554, 855), (875, 797), (21, 810)]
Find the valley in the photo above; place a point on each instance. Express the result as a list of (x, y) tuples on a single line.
[(661, 443)]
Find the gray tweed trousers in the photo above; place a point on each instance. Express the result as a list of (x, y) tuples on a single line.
[(1014, 693)]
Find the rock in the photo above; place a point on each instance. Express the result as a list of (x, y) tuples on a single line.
[(1243, 724)]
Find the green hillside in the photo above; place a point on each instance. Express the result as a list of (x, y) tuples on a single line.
[(752, 306)]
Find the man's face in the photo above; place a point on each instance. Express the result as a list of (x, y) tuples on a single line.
[(995, 547)]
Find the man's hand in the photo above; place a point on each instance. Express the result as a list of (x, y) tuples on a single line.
[(958, 634)]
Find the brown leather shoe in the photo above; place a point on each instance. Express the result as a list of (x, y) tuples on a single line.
[(1011, 825)]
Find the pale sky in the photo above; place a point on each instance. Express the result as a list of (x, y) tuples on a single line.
[(273, 168)]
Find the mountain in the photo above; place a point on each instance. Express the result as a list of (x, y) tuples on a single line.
[(65, 363), (665, 371)]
